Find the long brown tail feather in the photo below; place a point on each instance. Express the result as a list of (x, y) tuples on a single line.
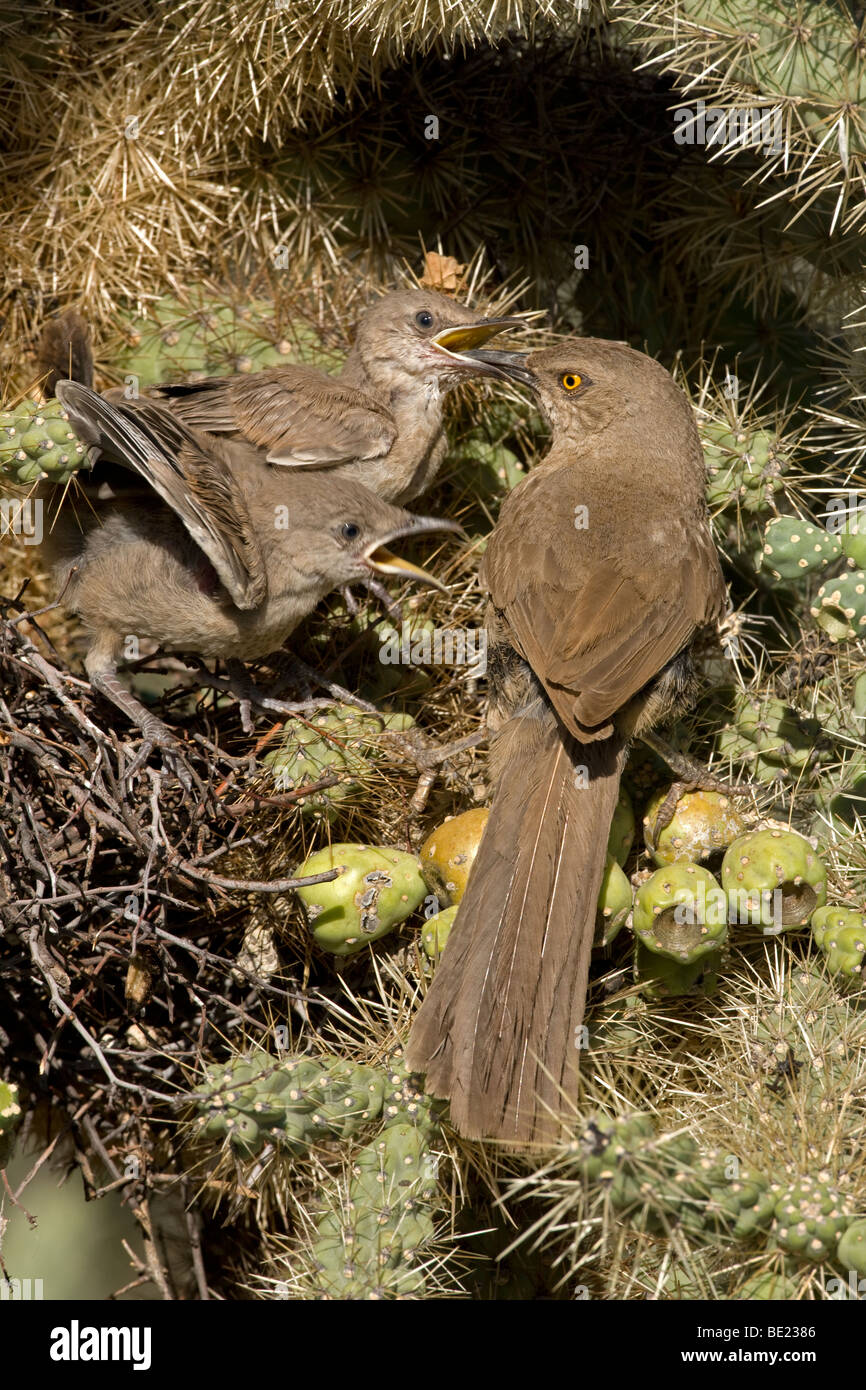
[(497, 1032)]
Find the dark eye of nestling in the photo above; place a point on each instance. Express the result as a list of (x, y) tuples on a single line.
[(424, 318), (349, 531)]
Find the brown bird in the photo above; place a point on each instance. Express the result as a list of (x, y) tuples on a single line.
[(379, 422), (601, 572), (210, 553)]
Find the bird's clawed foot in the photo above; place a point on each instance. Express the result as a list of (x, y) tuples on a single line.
[(691, 776)]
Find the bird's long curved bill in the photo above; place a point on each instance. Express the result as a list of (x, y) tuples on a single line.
[(509, 366), (459, 341), (384, 561)]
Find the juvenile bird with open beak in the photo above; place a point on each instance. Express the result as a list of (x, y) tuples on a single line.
[(380, 421), (211, 554)]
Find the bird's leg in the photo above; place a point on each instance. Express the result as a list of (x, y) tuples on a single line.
[(101, 666), (244, 691), (692, 777)]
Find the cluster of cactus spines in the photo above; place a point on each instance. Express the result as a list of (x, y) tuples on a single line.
[(208, 335), (703, 824), (744, 466), (840, 606), (291, 1102), (810, 1217), (840, 933), (776, 741), (808, 66), (37, 442), (774, 879), (794, 548), (340, 745), (376, 889), (374, 1240)]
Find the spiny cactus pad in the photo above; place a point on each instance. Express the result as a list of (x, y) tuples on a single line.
[(375, 890), (793, 548), (341, 744)]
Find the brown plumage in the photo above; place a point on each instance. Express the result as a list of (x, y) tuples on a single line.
[(380, 422), (186, 540), (600, 572)]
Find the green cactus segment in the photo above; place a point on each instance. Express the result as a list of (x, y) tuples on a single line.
[(341, 744), (840, 934), (622, 828), (777, 732), (37, 443), (10, 1119), (488, 469), (375, 890), (614, 903), (793, 548), (851, 1252), (436, 931), (681, 913), (773, 879), (772, 1287), (204, 335), (703, 824), (292, 1103), (663, 978), (852, 538), (744, 467), (810, 1218), (373, 1244), (840, 606)]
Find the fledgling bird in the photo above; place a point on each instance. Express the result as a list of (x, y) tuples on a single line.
[(210, 553), (601, 573), (380, 421)]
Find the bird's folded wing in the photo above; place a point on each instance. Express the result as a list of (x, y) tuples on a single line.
[(190, 477), (597, 639), (296, 414)]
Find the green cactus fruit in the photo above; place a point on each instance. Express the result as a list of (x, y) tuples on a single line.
[(703, 824), (436, 931), (36, 442), (614, 903), (840, 934), (622, 827), (774, 1286), (10, 1119), (204, 335), (810, 1219), (851, 1252), (342, 743), (858, 697), (840, 606), (376, 889), (793, 547), (448, 853), (773, 879), (852, 538), (681, 913)]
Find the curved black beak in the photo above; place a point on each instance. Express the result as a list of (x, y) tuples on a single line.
[(508, 366), (458, 341)]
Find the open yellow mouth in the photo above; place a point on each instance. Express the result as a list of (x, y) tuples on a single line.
[(384, 561), (456, 341)]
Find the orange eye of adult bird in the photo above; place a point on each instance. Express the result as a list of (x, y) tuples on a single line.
[(571, 381)]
